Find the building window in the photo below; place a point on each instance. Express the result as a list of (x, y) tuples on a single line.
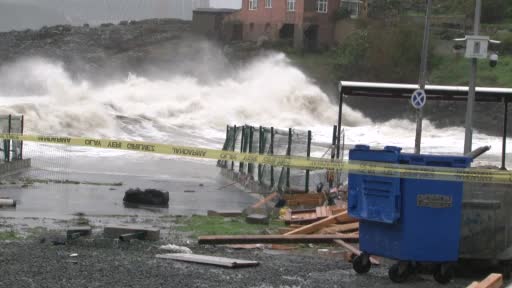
[(268, 3), (321, 6), (291, 5), (253, 4), (352, 6)]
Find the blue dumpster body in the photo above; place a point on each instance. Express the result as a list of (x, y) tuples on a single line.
[(407, 219)]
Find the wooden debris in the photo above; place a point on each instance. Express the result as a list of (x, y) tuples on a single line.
[(335, 228), (492, 281), (228, 213), (262, 246), (274, 239), (311, 228), (353, 250), (211, 260), (304, 200), (265, 200)]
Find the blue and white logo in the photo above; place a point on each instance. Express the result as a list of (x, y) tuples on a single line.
[(418, 99)]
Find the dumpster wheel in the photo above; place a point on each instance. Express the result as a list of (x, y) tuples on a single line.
[(399, 272), (443, 273), (362, 263)]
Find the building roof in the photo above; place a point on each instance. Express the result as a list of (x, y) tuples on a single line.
[(434, 92), (215, 10)]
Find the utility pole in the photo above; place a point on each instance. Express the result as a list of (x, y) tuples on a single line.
[(423, 76), (468, 138)]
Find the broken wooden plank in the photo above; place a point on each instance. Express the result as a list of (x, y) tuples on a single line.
[(492, 281), (311, 228), (355, 251), (336, 228), (114, 231), (274, 239), (211, 260), (473, 285), (265, 200), (226, 213)]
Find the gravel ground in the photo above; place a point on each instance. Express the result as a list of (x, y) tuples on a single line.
[(108, 263)]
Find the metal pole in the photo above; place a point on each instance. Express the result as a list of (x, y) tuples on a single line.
[(242, 143), (271, 153), (504, 147), (250, 167), (468, 137), (340, 109), (21, 144), (260, 151), (234, 144), (289, 153), (8, 140), (423, 76), (308, 154), (335, 137)]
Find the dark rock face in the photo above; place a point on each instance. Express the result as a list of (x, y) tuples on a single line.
[(146, 197)]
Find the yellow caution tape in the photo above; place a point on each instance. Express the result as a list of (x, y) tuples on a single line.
[(358, 167)]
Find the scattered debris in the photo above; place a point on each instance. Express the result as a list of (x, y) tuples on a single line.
[(492, 281), (73, 255), (132, 236), (353, 252), (262, 246), (265, 200), (225, 213), (311, 228), (210, 260), (274, 239), (147, 197), (257, 219), (176, 249), (189, 191), (116, 231), (7, 203), (78, 231)]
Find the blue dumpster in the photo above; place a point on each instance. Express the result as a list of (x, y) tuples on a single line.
[(409, 220)]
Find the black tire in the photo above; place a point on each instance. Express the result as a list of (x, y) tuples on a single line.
[(362, 264), (398, 276), (443, 274)]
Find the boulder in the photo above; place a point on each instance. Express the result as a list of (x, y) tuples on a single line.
[(147, 197)]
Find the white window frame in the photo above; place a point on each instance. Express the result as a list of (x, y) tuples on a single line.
[(290, 5), (322, 6), (253, 4), (268, 3), (354, 13)]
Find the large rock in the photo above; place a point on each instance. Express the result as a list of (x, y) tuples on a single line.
[(146, 197)]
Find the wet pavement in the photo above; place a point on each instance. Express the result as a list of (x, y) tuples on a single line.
[(194, 186)]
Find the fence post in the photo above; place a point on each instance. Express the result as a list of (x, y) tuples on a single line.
[(242, 143), (8, 150), (234, 144), (308, 154), (333, 150), (251, 165), (261, 149), (289, 153), (271, 152), (21, 132)]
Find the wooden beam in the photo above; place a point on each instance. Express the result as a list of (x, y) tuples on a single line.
[(211, 260), (265, 200), (492, 281), (334, 228), (473, 285), (355, 251), (311, 228), (274, 239)]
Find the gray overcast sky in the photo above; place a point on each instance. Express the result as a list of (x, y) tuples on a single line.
[(22, 14)]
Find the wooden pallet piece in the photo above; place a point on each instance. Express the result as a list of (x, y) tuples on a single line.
[(211, 260), (355, 251), (492, 281), (311, 228), (273, 239)]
